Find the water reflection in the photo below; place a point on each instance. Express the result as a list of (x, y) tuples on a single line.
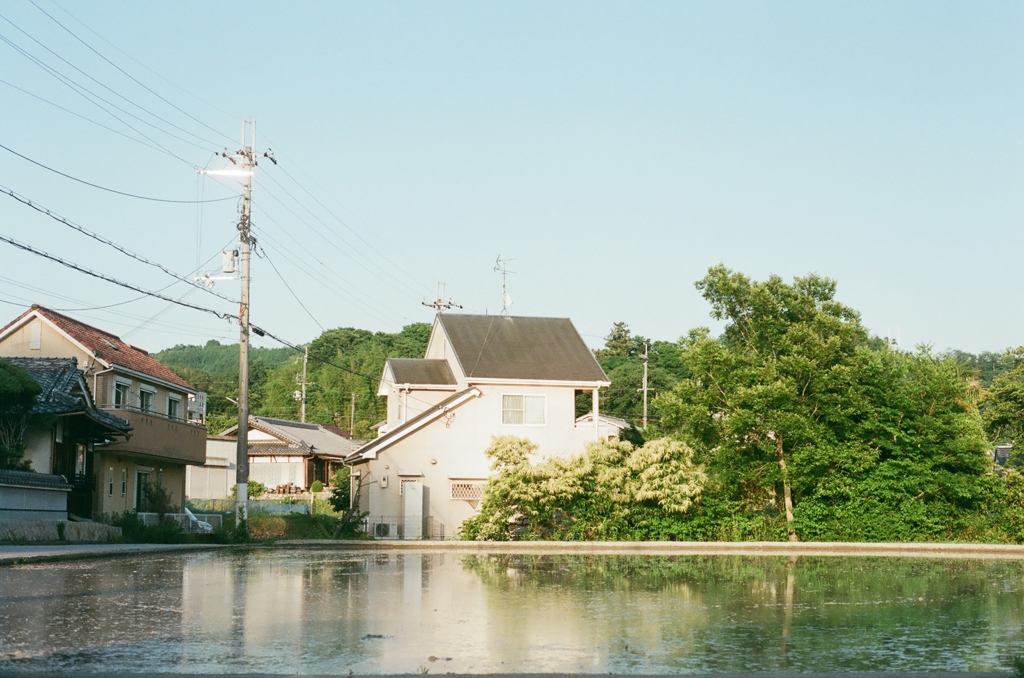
[(329, 612)]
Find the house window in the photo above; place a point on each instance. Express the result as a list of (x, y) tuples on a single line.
[(173, 407), (146, 400), (472, 491), (124, 481), (80, 461), (121, 395), (110, 482), (528, 410)]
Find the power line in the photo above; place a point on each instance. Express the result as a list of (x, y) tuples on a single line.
[(266, 255), (90, 96), (132, 78), (385, 278), (104, 86), (79, 115), (111, 243), (262, 332), (115, 281), (347, 244), (130, 57), (110, 190)]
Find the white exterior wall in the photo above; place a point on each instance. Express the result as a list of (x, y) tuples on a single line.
[(39, 448), (437, 454)]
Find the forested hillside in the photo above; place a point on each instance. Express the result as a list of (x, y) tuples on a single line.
[(344, 366)]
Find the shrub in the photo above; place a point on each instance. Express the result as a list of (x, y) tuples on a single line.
[(340, 490), (256, 488), (317, 486)]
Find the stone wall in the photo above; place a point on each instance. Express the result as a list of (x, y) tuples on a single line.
[(56, 530)]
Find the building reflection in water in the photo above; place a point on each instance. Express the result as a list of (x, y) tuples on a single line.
[(327, 612)]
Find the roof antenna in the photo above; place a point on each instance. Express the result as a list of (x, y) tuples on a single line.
[(506, 298), (439, 303)]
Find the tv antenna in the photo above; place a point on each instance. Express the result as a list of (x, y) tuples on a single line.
[(501, 267), (439, 304)]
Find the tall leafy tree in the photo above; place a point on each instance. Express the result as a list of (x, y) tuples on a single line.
[(796, 411)]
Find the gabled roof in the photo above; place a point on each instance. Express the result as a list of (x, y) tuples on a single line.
[(604, 419), (520, 348), (58, 378), (106, 347), (371, 449), (297, 437), (421, 372)]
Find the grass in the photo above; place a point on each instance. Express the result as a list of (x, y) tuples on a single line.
[(268, 527)]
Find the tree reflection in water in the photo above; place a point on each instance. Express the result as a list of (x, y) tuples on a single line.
[(329, 612), (735, 613)]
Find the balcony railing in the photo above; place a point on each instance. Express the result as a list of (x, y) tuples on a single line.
[(160, 436)]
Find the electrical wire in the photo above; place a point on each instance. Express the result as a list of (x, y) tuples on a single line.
[(127, 74), (262, 332), (232, 116), (110, 243), (387, 275), (110, 190), (91, 97), (271, 262), (79, 115), (106, 87), (326, 239), (325, 281), (101, 276)]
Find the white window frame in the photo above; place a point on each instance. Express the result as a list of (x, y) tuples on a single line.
[(524, 396), (173, 398), (124, 481), (126, 402), (110, 482), (149, 390)]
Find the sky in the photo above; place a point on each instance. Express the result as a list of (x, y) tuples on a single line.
[(612, 152)]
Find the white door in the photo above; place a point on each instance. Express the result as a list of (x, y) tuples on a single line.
[(412, 510)]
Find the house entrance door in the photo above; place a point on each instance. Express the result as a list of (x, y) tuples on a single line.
[(142, 491), (412, 509)]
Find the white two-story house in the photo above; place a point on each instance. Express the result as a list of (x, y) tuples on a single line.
[(482, 376)]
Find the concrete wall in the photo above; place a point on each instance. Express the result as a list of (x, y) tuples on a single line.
[(33, 503), (56, 530)]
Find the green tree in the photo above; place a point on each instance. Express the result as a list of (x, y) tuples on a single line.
[(796, 413), (18, 391), (1004, 401)]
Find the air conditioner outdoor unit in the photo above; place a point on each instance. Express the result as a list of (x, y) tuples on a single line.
[(385, 530)]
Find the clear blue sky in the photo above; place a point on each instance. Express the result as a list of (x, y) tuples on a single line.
[(614, 150)]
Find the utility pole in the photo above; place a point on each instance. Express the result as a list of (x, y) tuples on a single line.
[(645, 385), (352, 419), (302, 408), (440, 304), (245, 162)]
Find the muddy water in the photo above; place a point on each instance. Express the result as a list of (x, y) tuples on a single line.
[(331, 612)]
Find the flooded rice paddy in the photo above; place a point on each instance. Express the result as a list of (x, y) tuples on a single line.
[(308, 611)]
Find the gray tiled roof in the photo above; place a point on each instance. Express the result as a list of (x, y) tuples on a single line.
[(310, 438), (58, 377), (510, 347), (421, 371), (33, 479)]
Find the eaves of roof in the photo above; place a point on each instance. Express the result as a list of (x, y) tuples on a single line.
[(371, 449)]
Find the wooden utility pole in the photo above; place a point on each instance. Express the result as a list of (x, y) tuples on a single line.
[(352, 418), (646, 351), (245, 162), (302, 405)]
